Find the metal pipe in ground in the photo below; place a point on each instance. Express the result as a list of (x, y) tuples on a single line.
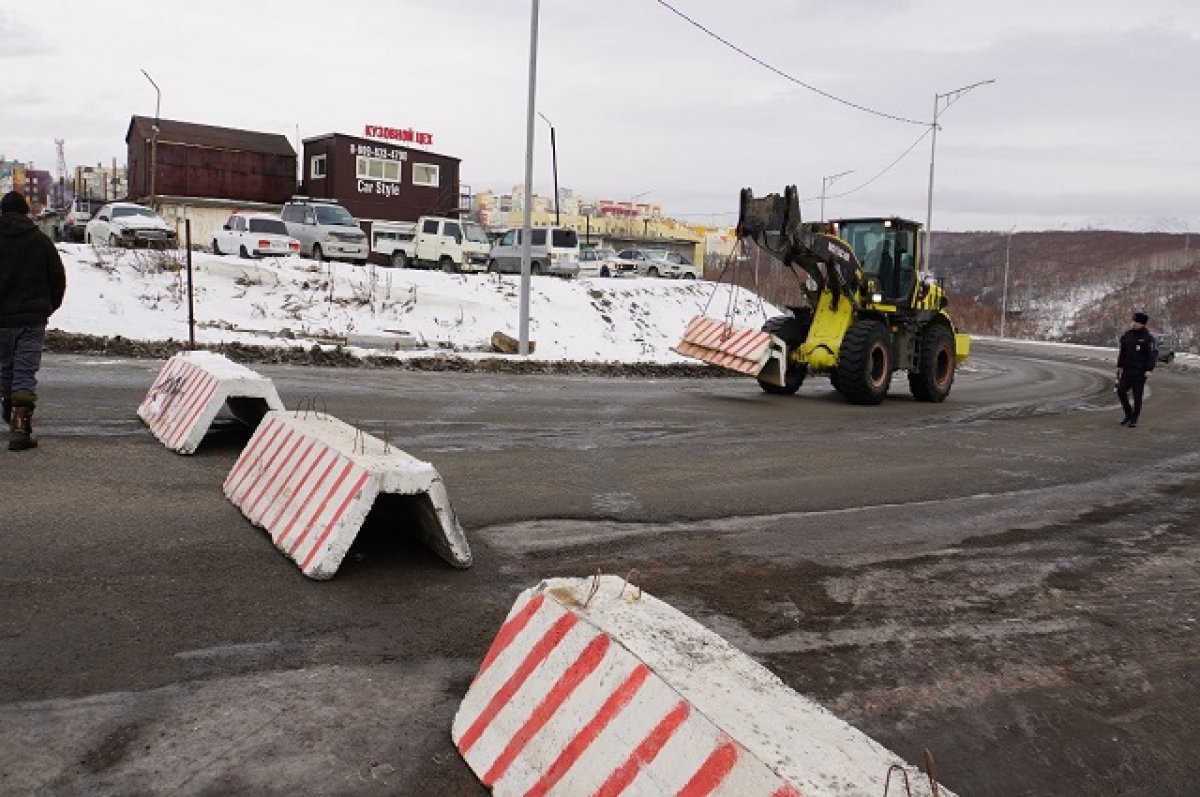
[(187, 237)]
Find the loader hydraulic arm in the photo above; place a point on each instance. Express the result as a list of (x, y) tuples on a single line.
[(773, 222)]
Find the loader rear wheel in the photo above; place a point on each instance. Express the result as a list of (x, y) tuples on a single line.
[(864, 371), (934, 375)]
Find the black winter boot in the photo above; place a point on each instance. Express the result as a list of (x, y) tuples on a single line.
[(21, 437)]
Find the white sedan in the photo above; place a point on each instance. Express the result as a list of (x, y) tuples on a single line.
[(128, 224), (603, 263), (254, 235)]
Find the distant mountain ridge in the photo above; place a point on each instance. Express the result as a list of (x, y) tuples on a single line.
[(1077, 286)]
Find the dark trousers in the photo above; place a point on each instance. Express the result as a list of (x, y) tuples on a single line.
[(20, 359), (1131, 383)]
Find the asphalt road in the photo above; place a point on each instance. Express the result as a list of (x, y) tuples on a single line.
[(1008, 579)]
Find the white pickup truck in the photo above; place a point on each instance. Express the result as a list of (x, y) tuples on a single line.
[(432, 242)]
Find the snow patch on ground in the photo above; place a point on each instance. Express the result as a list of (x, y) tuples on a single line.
[(141, 295)]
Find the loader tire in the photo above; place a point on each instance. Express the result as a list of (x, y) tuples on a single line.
[(934, 375), (793, 378), (793, 330), (864, 371)]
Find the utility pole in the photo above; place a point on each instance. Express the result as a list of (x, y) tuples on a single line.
[(154, 138), (554, 161), (527, 220), (1004, 295), (950, 97), (825, 183)]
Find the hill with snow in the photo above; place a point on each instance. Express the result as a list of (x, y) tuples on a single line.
[(141, 295)]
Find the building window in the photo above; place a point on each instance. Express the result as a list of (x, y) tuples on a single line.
[(425, 174), (378, 169), (317, 167)]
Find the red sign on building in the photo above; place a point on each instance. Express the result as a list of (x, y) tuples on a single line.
[(405, 134)]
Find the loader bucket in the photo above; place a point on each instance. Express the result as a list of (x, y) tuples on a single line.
[(743, 350), (770, 219)]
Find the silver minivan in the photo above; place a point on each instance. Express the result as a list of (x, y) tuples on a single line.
[(553, 250), (325, 230)]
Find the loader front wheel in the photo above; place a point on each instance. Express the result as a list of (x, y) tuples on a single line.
[(864, 371), (934, 375), (793, 378)]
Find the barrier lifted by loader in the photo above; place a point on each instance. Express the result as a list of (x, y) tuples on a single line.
[(870, 311)]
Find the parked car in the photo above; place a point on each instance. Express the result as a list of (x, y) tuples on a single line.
[(553, 250), (78, 215), (254, 235), (664, 263), (633, 260), (129, 224), (1165, 346), (325, 229), (603, 262)]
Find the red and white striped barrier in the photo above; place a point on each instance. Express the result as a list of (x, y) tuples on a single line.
[(743, 350), (191, 389), (592, 687), (310, 480)]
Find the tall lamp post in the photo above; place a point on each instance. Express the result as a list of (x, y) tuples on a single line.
[(949, 97), (527, 220), (828, 181), (554, 161), (633, 208), (154, 137), (1004, 294)]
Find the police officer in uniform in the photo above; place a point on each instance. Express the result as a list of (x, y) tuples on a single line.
[(1135, 361)]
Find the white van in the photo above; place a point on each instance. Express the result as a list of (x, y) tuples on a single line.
[(325, 229), (432, 242), (553, 250)]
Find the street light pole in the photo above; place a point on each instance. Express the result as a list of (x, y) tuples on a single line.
[(554, 161), (828, 181), (949, 97), (633, 208), (1004, 295), (154, 137), (527, 220)]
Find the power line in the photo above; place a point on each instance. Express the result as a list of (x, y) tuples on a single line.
[(886, 169), (785, 75), (856, 189)]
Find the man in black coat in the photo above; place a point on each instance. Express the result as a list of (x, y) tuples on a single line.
[(1135, 360), (32, 284)]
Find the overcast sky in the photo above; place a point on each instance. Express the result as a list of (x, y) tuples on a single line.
[(1093, 118)]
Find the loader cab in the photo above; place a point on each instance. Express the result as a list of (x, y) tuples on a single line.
[(887, 250)]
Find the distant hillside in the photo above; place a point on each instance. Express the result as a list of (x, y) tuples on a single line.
[(1078, 287)]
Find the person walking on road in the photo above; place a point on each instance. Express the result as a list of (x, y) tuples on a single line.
[(32, 284), (1135, 360)]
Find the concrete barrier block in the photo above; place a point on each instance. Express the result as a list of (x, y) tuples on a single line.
[(191, 389), (593, 687), (719, 343), (310, 480)]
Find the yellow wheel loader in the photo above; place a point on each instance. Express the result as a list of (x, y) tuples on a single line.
[(870, 312)]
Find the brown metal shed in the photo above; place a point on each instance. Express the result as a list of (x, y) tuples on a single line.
[(203, 161), (377, 180)]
